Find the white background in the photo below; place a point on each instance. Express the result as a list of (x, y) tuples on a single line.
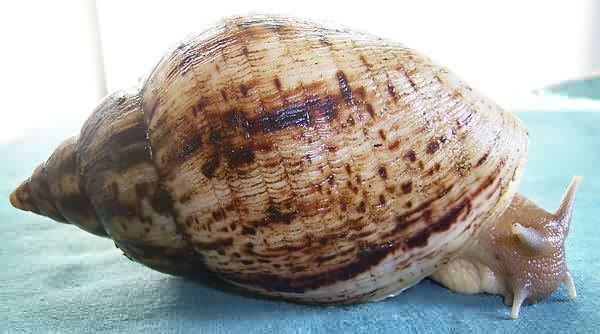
[(58, 56)]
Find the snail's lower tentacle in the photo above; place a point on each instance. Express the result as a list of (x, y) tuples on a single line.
[(570, 286), (518, 299)]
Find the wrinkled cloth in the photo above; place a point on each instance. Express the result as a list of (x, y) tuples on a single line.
[(57, 278)]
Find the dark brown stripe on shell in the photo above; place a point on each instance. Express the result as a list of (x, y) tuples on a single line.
[(240, 156), (210, 167), (301, 114), (309, 111), (482, 160), (370, 110), (188, 147), (174, 261), (277, 83), (131, 135), (274, 215), (214, 245), (365, 62), (464, 120), (402, 221), (391, 90), (124, 158), (382, 172), (406, 187), (443, 224), (432, 147), (345, 88), (244, 89), (367, 258), (247, 230)]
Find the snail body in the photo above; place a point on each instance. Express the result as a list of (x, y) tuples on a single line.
[(314, 164)]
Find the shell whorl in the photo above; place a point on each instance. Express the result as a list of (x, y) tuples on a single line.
[(121, 180), (315, 164), (54, 190)]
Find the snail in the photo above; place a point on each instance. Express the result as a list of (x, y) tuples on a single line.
[(310, 163)]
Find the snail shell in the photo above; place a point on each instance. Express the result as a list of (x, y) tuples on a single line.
[(315, 164)]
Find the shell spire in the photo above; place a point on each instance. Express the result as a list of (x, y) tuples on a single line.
[(20, 198), (54, 191)]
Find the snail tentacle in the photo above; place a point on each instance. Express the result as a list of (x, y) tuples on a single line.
[(570, 285), (519, 297), (528, 236), (523, 248)]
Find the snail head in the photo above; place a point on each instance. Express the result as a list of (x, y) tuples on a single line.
[(528, 244)]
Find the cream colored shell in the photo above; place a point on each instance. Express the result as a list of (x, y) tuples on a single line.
[(316, 164), (329, 165)]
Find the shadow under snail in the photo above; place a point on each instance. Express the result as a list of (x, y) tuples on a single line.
[(314, 164)]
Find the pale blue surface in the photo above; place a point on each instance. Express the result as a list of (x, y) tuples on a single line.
[(55, 277), (588, 88)]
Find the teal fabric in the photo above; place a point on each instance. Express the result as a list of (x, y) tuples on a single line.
[(57, 278), (588, 88)]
